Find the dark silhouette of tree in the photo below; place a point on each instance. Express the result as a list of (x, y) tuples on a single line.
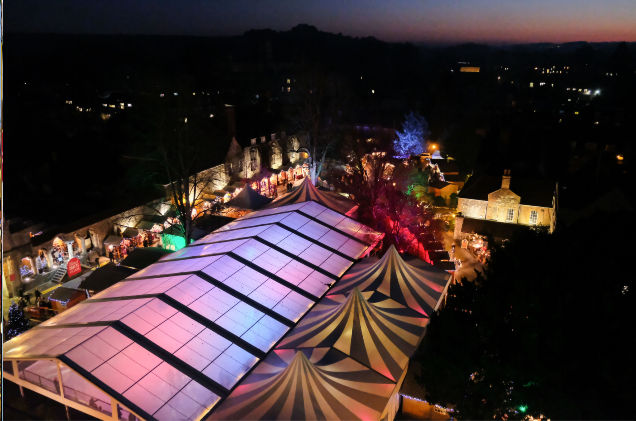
[(319, 100), (545, 330)]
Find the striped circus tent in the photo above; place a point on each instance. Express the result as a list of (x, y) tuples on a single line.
[(370, 328), (319, 383), (417, 287), (307, 191)]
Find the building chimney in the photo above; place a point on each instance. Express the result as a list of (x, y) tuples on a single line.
[(253, 141), (231, 120), (505, 180)]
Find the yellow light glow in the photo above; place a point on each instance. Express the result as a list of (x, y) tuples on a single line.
[(619, 157)]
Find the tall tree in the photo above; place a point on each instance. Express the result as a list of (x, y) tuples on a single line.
[(412, 139), (319, 101)]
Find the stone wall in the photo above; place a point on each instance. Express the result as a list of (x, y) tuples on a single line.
[(499, 204), (544, 215), (472, 208)]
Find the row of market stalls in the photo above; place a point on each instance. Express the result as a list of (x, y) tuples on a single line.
[(279, 314)]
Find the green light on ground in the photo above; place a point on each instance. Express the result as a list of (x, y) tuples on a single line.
[(522, 408), (173, 242)]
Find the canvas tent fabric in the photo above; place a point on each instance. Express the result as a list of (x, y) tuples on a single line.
[(319, 383), (371, 328), (416, 287), (248, 199), (172, 340), (307, 191)]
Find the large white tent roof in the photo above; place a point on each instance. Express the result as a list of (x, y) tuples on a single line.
[(172, 340)]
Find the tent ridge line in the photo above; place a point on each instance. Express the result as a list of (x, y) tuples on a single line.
[(270, 275), (169, 358), (339, 231), (298, 258), (212, 326), (314, 241), (246, 299)]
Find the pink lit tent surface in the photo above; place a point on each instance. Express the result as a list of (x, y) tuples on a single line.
[(366, 329), (417, 287), (174, 339), (369, 327), (319, 383), (307, 191)]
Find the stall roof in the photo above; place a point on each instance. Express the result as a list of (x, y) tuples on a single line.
[(249, 199), (113, 239), (130, 232), (105, 276), (64, 294), (142, 257), (173, 339)]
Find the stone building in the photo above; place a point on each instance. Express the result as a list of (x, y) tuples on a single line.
[(491, 205)]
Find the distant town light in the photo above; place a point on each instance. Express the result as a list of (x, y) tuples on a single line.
[(619, 157), (211, 115), (175, 93), (129, 105), (185, 120), (532, 84), (372, 91), (161, 95), (597, 92), (576, 113), (194, 93)]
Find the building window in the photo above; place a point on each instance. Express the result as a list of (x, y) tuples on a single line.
[(533, 217), (253, 159), (510, 215)]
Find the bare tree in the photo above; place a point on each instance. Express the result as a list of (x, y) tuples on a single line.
[(181, 154), (319, 101)]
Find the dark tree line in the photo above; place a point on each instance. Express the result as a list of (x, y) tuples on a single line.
[(545, 330)]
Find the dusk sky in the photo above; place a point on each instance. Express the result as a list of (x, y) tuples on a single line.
[(446, 21)]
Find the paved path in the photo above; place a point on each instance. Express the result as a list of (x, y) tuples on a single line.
[(469, 261)]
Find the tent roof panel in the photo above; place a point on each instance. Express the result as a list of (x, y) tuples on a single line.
[(175, 337)]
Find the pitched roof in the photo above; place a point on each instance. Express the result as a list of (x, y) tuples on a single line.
[(249, 199), (413, 286), (307, 191), (532, 192), (370, 328), (105, 276), (319, 383), (142, 257)]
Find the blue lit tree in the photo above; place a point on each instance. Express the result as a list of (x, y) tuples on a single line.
[(17, 322), (413, 136)]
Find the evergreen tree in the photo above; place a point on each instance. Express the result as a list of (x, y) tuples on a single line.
[(413, 136), (17, 322)]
